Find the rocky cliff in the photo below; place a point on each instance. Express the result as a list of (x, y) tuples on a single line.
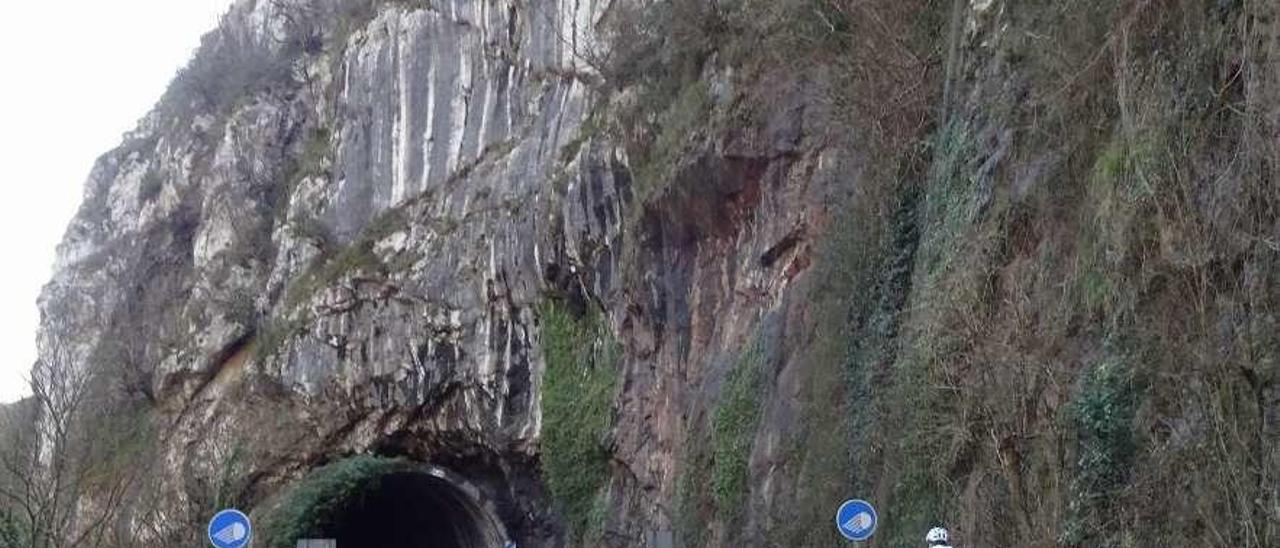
[(341, 253), (636, 274)]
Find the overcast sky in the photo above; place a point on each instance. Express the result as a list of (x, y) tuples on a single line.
[(77, 74)]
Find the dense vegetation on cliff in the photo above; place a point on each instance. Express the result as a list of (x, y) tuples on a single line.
[(1046, 313)]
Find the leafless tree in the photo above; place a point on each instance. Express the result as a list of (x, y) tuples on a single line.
[(62, 472)]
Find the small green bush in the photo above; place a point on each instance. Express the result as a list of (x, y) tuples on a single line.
[(1104, 416), (577, 412)]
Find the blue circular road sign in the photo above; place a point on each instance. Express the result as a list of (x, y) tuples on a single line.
[(230, 529), (856, 520)]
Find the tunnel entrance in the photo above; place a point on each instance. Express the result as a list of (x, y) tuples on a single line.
[(371, 502), (414, 510)]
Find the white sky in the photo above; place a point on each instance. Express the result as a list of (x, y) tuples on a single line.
[(74, 76)]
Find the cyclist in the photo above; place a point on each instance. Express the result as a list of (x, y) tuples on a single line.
[(938, 538)]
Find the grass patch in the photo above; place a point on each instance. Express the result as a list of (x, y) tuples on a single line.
[(952, 199), (733, 432), (693, 510), (274, 334), (577, 412), (714, 481), (355, 257), (913, 426), (326, 271), (1119, 222)]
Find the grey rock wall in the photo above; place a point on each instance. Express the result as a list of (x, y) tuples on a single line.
[(347, 257), (294, 305)]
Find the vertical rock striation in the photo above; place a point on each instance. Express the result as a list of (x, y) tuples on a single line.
[(344, 257)]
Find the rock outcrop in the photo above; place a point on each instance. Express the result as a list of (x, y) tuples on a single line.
[(347, 258), (797, 252)]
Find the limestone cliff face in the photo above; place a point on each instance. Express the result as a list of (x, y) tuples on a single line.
[(346, 258), (653, 273)]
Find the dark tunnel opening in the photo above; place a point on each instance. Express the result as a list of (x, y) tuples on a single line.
[(414, 510), (378, 502)]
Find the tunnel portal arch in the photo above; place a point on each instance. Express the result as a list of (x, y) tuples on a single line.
[(384, 503)]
